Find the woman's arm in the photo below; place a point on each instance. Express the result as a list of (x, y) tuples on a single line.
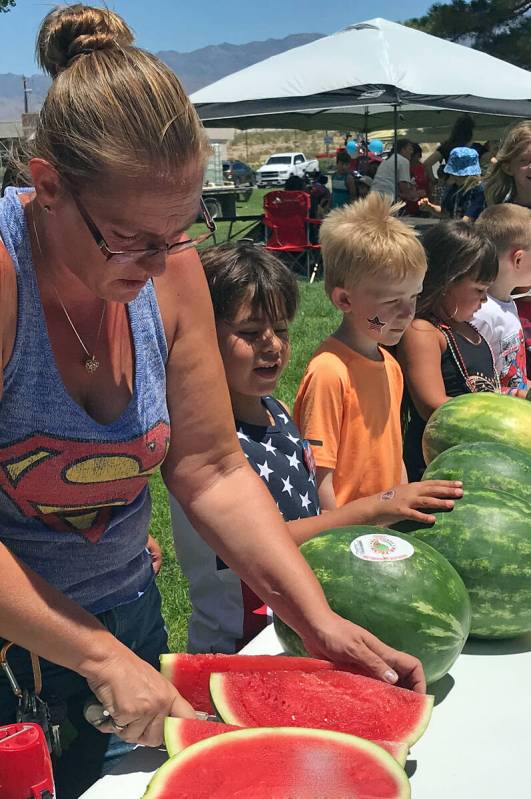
[(419, 354), (225, 500), (428, 165), (36, 616)]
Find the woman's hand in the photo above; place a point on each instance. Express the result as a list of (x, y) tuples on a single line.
[(406, 500), (156, 553), (137, 698), (349, 645)]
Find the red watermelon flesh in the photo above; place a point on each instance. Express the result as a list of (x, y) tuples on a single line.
[(280, 763), (333, 700), (190, 673), (180, 733)]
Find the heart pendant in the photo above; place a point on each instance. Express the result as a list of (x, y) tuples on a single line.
[(91, 364)]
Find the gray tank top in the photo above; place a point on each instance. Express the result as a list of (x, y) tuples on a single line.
[(74, 499)]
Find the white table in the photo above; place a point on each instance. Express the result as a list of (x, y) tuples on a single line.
[(478, 744)]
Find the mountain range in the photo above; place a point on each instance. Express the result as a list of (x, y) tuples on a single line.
[(196, 69)]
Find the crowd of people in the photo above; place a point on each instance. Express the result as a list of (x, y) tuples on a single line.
[(121, 351)]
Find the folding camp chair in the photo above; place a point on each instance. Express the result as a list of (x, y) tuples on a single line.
[(287, 228)]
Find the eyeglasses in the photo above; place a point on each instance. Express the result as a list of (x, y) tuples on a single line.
[(125, 256)]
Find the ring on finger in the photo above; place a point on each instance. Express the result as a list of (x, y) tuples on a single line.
[(119, 726)]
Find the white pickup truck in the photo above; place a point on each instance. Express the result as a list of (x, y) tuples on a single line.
[(280, 166)]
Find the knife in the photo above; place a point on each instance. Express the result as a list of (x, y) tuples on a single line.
[(96, 715)]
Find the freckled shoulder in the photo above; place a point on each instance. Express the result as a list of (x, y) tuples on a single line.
[(174, 289)]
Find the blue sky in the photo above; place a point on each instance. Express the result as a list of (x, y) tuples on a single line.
[(183, 25)]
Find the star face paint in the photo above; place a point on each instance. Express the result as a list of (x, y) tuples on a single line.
[(375, 324)]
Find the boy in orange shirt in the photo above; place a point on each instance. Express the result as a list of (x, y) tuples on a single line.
[(348, 402)]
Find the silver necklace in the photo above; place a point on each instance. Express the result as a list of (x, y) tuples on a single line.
[(91, 363)]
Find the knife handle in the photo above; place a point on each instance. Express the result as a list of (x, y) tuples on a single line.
[(96, 715)]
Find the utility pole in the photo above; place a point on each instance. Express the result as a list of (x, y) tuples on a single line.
[(246, 147), (27, 92)]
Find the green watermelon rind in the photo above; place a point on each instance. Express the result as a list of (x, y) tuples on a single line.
[(487, 538), (430, 620), (174, 743), (226, 713), (485, 465), (482, 416), (159, 780)]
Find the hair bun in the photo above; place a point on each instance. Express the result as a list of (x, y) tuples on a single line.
[(70, 31)]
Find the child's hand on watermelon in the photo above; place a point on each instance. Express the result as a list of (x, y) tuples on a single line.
[(412, 500), (350, 645)]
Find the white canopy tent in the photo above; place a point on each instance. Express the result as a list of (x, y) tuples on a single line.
[(372, 75)]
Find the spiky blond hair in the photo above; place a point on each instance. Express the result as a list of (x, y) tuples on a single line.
[(365, 239)]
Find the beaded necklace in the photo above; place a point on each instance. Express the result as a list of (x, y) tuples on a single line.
[(473, 383)]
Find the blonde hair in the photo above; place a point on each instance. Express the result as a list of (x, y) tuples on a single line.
[(498, 184), (111, 107), (365, 239), (507, 226)]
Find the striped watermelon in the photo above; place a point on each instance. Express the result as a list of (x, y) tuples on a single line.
[(417, 603), (478, 417), (486, 465), (487, 537)]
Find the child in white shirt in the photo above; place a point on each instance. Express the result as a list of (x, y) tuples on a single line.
[(509, 228)]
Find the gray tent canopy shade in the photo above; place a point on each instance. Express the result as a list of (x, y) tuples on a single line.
[(359, 74)]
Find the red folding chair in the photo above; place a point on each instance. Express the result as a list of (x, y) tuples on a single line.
[(287, 228)]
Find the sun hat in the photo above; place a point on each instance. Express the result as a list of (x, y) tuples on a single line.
[(463, 161)]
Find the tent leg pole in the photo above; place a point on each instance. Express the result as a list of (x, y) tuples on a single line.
[(395, 153)]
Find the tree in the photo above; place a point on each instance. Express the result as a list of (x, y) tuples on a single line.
[(5, 5), (501, 28)]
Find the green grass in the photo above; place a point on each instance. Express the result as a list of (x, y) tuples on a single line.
[(315, 319)]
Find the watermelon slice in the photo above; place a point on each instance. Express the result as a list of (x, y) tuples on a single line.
[(180, 733), (332, 700), (190, 673), (281, 763)]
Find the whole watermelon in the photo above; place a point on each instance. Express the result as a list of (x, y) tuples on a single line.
[(486, 465), (487, 538), (398, 588), (478, 417)]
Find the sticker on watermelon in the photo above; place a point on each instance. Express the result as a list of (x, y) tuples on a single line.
[(281, 763)]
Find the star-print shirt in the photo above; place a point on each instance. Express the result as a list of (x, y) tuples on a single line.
[(225, 612)]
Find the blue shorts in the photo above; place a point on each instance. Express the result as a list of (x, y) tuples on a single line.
[(88, 753)]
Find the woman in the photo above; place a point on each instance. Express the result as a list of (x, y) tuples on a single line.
[(109, 368)]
